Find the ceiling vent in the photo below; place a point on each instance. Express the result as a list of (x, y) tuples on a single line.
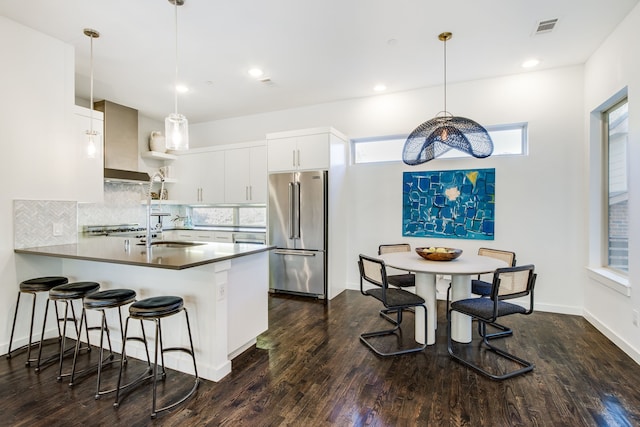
[(546, 26), (266, 81)]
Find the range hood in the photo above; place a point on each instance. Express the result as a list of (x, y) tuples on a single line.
[(120, 143)]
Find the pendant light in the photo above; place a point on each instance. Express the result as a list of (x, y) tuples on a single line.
[(176, 126), (445, 131), (93, 141)]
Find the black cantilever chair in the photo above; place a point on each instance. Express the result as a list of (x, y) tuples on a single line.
[(508, 283), (373, 271), (402, 280)]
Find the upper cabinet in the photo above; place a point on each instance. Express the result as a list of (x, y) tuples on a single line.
[(200, 178), (246, 175), (89, 179), (307, 149)]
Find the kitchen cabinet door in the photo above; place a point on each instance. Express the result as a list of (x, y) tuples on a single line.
[(89, 176), (305, 152), (200, 178), (246, 175), (281, 154)]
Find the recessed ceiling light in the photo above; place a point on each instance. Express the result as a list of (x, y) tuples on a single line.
[(530, 63), (182, 88), (256, 72), (379, 87)]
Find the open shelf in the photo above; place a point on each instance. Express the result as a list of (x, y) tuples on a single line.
[(156, 155)]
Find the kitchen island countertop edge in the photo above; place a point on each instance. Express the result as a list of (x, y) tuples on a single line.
[(114, 250)]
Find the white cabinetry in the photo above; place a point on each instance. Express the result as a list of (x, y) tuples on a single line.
[(299, 150), (246, 175), (199, 235), (90, 178), (200, 177), (320, 149)]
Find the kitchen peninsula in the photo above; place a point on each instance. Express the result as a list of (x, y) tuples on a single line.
[(224, 286)]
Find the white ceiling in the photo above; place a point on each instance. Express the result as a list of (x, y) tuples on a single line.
[(313, 51)]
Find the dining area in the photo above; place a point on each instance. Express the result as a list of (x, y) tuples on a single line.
[(479, 286)]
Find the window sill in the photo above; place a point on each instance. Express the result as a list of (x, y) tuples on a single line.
[(611, 280)]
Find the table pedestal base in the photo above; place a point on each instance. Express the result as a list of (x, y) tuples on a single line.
[(460, 323)]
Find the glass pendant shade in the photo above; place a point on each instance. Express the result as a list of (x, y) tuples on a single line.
[(93, 143), (437, 136), (176, 131)]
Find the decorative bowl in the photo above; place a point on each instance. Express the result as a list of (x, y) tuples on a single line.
[(436, 253)]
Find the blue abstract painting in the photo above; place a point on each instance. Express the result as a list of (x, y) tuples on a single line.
[(454, 204)]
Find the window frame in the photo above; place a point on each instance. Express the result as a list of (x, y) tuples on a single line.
[(524, 144), (605, 178)]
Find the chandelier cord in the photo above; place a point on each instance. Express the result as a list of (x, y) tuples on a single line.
[(445, 76)]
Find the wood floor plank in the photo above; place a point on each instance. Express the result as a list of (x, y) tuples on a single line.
[(310, 369)]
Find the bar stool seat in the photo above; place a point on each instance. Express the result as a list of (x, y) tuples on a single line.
[(71, 291), (34, 286), (67, 293), (155, 308), (103, 300)]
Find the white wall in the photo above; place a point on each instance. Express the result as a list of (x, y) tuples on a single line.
[(540, 202), (614, 67), (38, 157)]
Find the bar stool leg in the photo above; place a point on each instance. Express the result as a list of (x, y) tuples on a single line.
[(111, 357), (13, 328)]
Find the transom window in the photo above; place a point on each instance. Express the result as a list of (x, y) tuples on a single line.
[(508, 140)]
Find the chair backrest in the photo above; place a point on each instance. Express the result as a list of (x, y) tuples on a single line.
[(506, 256), (513, 282), (372, 270), (396, 247)]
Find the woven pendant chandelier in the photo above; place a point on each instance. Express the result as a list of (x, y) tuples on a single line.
[(445, 131)]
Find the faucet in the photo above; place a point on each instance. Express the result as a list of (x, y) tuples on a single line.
[(158, 174)]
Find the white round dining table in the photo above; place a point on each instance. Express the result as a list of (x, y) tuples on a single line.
[(461, 271)]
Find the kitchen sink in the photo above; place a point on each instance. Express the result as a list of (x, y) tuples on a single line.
[(173, 243)]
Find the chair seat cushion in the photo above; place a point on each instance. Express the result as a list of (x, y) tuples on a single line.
[(73, 290), (42, 284), (396, 297), (156, 307), (402, 280), (109, 298), (480, 287), (483, 308)]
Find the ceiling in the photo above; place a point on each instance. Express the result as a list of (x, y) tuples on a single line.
[(312, 51)]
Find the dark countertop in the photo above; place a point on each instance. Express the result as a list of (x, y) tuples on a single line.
[(174, 257)]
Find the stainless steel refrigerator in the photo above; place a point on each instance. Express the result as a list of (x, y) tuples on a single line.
[(298, 229)]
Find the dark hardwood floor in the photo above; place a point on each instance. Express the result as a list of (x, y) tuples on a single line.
[(310, 369)]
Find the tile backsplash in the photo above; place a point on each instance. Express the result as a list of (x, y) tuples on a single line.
[(122, 205), (35, 220)]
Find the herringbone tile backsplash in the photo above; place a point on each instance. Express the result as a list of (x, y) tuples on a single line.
[(35, 220)]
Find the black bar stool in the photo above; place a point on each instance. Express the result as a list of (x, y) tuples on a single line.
[(156, 308), (34, 287), (103, 300), (68, 293)]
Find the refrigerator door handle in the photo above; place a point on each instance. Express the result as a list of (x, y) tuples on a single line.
[(291, 211), (296, 196), (296, 253)]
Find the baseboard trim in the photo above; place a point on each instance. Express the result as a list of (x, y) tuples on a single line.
[(613, 337)]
